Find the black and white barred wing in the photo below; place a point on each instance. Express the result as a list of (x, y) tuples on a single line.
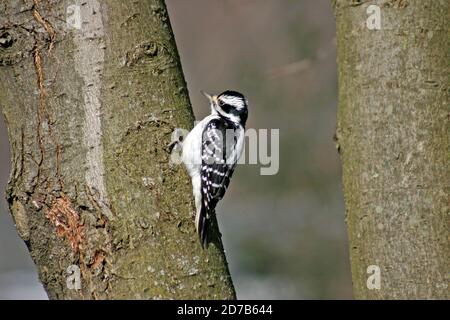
[(217, 147)]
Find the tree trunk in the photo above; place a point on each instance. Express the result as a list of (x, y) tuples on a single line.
[(90, 106), (393, 135)]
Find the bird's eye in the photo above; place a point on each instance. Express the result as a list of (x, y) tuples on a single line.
[(226, 107)]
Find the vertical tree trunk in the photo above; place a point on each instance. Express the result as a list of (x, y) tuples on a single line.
[(90, 106), (393, 134)]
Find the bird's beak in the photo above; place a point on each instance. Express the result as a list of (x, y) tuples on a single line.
[(212, 99), (207, 95)]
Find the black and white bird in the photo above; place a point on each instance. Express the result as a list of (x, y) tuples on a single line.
[(210, 153)]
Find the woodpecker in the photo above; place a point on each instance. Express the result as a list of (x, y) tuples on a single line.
[(210, 153)]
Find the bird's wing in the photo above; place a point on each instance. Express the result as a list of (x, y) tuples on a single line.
[(215, 171)]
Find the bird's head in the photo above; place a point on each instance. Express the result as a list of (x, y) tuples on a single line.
[(230, 105)]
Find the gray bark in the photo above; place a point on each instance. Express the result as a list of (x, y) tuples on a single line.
[(393, 135), (90, 113)]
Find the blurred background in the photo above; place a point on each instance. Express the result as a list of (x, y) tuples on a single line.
[(284, 235)]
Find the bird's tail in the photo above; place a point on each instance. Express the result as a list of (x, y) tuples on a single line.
[(203, 226)]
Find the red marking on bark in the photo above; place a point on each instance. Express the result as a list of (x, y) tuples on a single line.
[(98, 259), (47, 25), (67, 222)]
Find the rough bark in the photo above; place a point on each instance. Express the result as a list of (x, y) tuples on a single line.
[(89, 113), (393, 136)]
